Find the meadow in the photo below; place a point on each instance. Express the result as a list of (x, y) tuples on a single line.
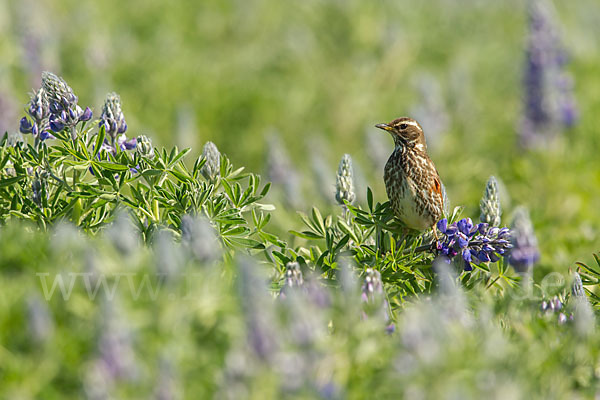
[(192, 201)]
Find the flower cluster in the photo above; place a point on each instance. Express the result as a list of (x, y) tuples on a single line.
[(38, 111), (112, 117), (554, 305), (344, 182), (475, 243), (64, 110), (548, 98), (372, 293), (113, 120)]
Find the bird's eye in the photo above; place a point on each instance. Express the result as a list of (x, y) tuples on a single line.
[(403, 126)]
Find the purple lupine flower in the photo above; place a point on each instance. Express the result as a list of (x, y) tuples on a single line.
[(524, 253), (552, 305), (115, 346), (112, 116), (372, 293), (126, 144), (63, 107), (475, 243), (39, 113), (549, 102), (40, 322), (258, 310)]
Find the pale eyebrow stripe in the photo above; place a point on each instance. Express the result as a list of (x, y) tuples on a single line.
[(413, 123)]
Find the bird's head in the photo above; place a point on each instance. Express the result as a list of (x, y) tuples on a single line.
[(406, 132)]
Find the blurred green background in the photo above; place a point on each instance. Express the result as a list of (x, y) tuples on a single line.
[(312, 78)]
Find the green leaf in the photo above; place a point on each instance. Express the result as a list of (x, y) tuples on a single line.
[(111, 166), (370, 198), (99, 140), (10, 181), (306, 234)]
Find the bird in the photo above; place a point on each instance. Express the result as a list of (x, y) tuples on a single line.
[(412, 182)]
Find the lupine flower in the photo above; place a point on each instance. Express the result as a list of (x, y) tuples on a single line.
[(258, 311), (372, 293), (490, 204), (524, 253), (36, 189), (549, 101), (112, 117), (123, 234), (293, 277), (555, 306), (431, 111), (344, 182), (577, 288), (212, 167), (115, 346), (39, 112), (552, 305), (475, 243), (144, 146), (126, 144), (41, 325), (64, 110), (201, 238), (281, 173)]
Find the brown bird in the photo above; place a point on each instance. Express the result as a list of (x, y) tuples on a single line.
[(411, 180)]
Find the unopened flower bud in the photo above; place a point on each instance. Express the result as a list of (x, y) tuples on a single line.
[(211, 169), (490, 204), (144, 146), (344, 183)]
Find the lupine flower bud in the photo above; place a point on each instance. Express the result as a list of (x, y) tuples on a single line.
[(293, 275), (144, 146), (344, 183), (112, 116), (577, 288), (211, 169), (524, 253), (490, 204), (64, 111), (57, 90)]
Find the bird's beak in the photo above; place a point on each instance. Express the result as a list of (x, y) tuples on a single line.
[(385, 127)]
